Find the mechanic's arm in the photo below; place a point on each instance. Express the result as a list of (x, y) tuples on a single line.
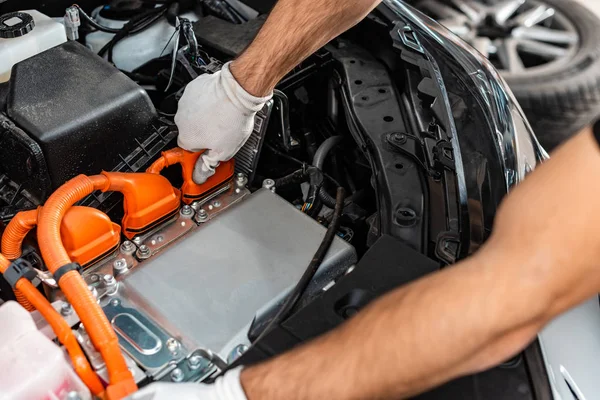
[(216, 112), (294, 30), (541, 260)]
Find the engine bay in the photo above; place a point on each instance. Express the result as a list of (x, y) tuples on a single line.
[(102, 217)]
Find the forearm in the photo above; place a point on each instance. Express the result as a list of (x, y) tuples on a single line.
[(294, 30), (410, 340), (540, 262)]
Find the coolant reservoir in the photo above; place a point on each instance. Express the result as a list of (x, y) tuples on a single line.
[(32, 366), (24, 34), (137, 49)]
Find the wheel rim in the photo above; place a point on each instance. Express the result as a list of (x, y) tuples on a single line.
[(518, 36)]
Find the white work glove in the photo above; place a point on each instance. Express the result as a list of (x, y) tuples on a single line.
[(227, 387), (215, 113)]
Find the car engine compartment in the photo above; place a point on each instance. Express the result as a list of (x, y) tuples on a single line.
[(191, 277)]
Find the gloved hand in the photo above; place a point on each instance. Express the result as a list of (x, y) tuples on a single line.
[(227, 387), (217, 114)]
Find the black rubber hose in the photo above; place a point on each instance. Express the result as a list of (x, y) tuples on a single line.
[(324, 149), (319, 162), (92, 22), (298, 290)]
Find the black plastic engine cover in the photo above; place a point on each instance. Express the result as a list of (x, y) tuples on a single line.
[(84, 114)]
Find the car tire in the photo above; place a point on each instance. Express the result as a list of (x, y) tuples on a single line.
[(563, 99)]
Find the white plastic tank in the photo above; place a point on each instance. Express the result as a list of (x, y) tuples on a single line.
[(135, 50), (32, 366), (36, 37)]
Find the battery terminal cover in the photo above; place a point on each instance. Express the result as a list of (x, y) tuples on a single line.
[(88, 235)]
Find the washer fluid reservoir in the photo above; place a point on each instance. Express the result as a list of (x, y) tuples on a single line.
[(24, 34)]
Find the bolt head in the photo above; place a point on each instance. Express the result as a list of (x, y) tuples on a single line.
[(186, 210), (66, 309), (195, 361), (73, 395), (127, 246), (201, 215), (172, 345), (217, 203), (115, 302), (177, 375), (137, 240), (109, 280)]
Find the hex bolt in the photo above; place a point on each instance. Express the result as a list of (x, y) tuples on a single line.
[(120, 266), (172, 345), (269, 184), (127, 247), (186, 210), (241, 179), (66, 309), (144, 252), (399, 138), (195, 362), (201, 216), (109, 280), (177, 375), (115, 302)]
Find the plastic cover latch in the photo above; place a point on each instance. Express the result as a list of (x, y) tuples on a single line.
[(59, 273), (18, 269)]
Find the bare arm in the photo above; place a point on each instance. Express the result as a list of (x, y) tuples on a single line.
[(294, 30), (540, 261)]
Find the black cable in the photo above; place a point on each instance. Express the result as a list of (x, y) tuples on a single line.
[(92, 22), (134, 25), (302, 163), (298, 291)]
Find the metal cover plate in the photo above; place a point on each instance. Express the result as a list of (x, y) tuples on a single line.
[(210, 284)]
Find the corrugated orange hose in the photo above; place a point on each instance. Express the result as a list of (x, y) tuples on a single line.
[(74, 287), (12, 242), (61, 329)]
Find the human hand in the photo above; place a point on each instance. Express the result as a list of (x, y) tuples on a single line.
[(215, 113), (227, 387)]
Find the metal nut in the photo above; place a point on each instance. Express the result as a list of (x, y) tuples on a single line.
[(144, 252), (66, 309), (195, 362), (109, 280), (172, 345), (201, 215), (186, 210), (241, 179), (177, 375), (120, 266), (269, 184), (127, 247)]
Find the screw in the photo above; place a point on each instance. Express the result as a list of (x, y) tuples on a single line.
[(172, 345), (177, 375), (186, 210), (127, 247), (144, 252), (66, 309), (269, 184), (241, 179), (115, 302), (398, 138), (201, 215), (160, 238), (195, 361), (109, 280), (237, 190), (236, 352), (137, 240), (94, 277), (216, 203), (120, 266)]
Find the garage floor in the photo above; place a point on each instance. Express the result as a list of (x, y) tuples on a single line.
[(594, 5)]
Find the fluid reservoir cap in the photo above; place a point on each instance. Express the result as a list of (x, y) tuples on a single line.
[(15, 24)]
